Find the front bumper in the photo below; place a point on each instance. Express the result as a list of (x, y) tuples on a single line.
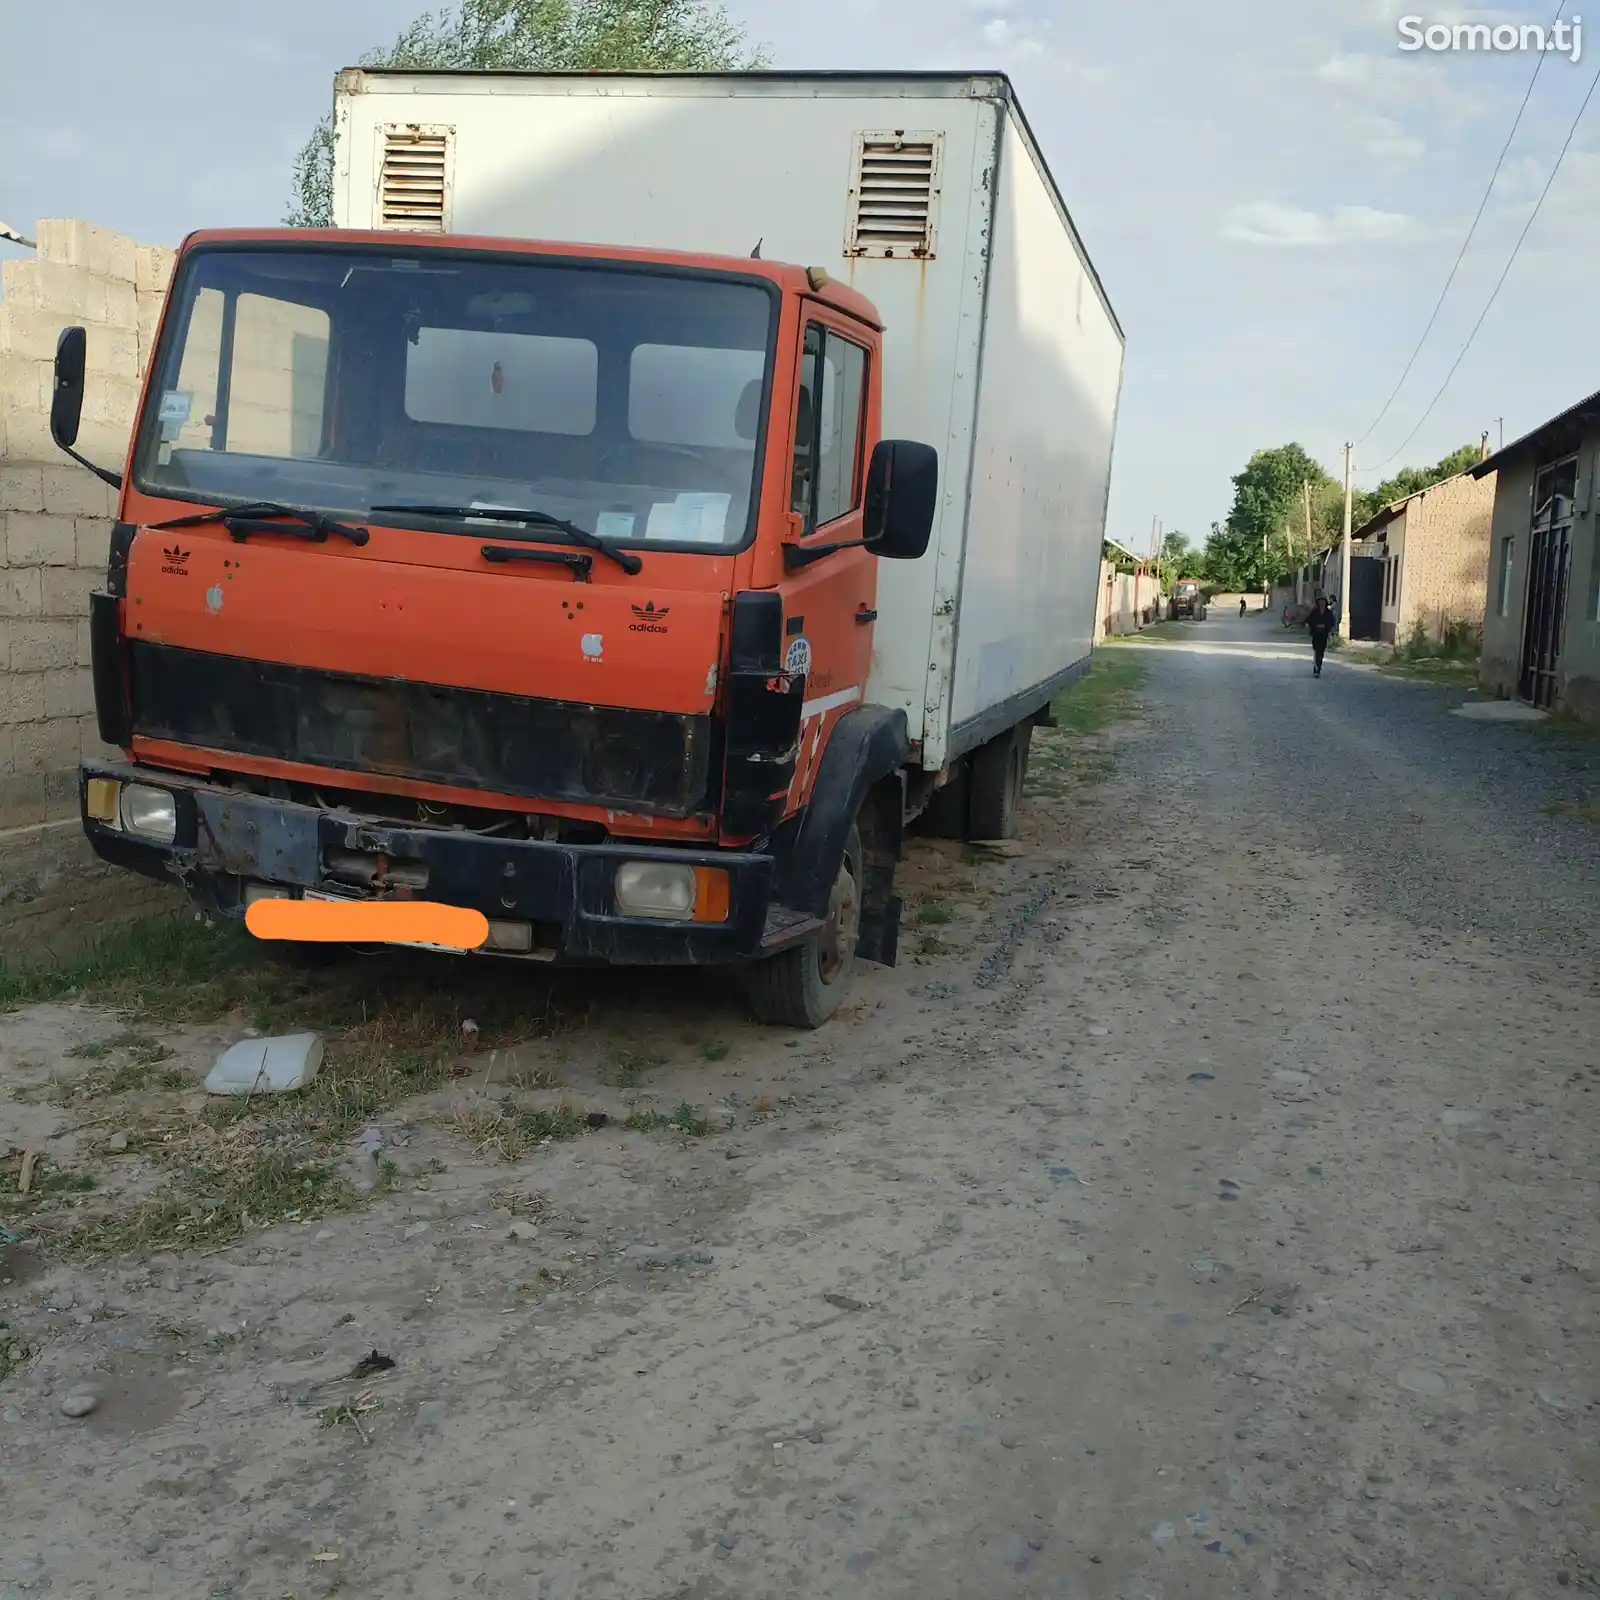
[(226, 840)]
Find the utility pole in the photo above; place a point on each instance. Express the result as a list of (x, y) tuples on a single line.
[(1500, 422), (1305, 493), (1344, 558)]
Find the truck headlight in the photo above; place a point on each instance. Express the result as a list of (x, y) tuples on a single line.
[(150, 813), (655, 889)]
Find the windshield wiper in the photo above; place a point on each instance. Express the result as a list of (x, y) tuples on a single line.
[(261, 516), (626, 559)]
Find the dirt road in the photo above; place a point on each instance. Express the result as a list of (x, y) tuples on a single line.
[(1204, 1207)]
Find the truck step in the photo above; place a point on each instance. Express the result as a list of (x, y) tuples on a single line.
[(785, 927)]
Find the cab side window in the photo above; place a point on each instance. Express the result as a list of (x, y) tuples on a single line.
[(828, 427)]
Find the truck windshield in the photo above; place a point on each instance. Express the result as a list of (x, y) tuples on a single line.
[(626, 400)]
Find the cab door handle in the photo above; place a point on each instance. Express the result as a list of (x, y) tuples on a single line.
[(865, 614)]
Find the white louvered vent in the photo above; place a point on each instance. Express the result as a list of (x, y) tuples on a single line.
[(894, 200), (414, 186)]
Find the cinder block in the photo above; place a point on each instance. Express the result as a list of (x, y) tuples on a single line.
[(25, 432), (112, 352), (41, 644), (22, 799), (72, 293), (61, 792), (6, 625), (19, 283), (22, 488), (8, 763), (26, 384), (35, 538), (90, 745), (102, 442), (64, 592), (68, 692), (85, 644), (122, 303), (43, 747), (75, 243), (27, 332), (93, 543), (72, 491), (20, 592), (112, 401), (152, 268), (22, 697)]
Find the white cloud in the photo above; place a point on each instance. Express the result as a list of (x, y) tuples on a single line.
[(1396, 83), (1029, 41), (1385, 139), (1267, 222)]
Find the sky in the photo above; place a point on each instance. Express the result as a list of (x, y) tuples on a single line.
[(1273, 194)]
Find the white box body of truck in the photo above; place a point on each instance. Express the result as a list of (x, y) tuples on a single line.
[(925, 192)]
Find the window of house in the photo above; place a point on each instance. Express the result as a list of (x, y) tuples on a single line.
[(480, 378), (1502, 604), (828, 427)]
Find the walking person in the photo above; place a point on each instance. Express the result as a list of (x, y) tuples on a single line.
[(1319, 624), (1241, 605)]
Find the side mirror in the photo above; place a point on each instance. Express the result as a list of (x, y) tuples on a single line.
[(902, 499), (66, 401)]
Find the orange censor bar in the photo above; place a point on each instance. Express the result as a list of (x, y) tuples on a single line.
[(368, 922)]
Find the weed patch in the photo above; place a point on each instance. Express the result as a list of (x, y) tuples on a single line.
[(393, 1029), (685, 1120), (15, 1351), (1106, 693)]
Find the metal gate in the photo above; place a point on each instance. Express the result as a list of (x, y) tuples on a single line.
[(1549, 566)]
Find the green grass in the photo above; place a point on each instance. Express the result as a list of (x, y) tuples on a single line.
[(1463, 673), (393, 1030), (715, 1052), (627, 1068), (685, 1120), (935, 914), (1106, 693)]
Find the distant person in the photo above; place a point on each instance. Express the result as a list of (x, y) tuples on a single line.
[(1319, 624), (1241, 605)]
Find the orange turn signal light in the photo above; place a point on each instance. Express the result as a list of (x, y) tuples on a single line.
[(711, 894), (368, 922)]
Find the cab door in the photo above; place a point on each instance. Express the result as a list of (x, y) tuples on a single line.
[(828, 598)]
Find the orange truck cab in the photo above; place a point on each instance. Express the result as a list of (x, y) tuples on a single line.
[(488, 572)]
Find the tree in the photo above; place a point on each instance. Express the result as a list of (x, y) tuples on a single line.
[(538, 36), (1408, 481), (1264, 535)]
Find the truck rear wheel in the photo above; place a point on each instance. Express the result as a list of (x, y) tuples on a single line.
[(998, 771), (803, 987)]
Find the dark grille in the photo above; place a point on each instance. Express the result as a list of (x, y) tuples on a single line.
[(653, 761)]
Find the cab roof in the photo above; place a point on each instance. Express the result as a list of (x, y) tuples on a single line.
[(792, 279)]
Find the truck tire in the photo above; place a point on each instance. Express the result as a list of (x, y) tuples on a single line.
[(945, 815), (804, 986), (998, 771)]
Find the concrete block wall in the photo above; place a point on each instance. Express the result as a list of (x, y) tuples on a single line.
[(55, 518)]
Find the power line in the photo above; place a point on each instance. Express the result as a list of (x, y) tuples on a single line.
[(1500, 282), (1438, 305)]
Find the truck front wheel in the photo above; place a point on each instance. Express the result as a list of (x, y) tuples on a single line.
[(804, 986)]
